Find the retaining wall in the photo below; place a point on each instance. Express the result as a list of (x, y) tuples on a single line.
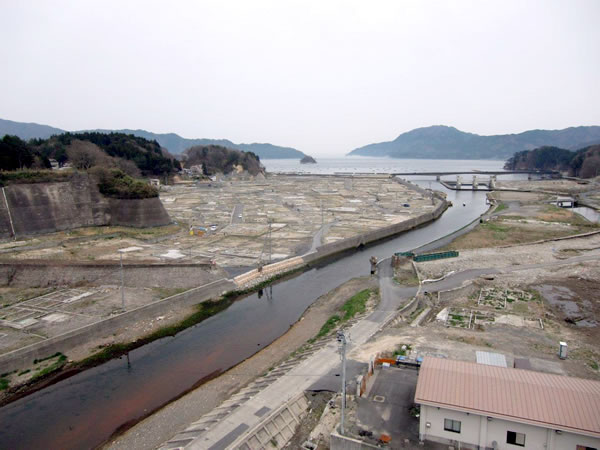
[(23, 357), (42, 273), (48, 207)]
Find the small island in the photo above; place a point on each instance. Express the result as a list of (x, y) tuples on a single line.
[(308, 160)]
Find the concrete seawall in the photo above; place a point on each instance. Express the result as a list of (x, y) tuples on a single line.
[(27, 209), (42, 273), (23, 357), (375, 235)]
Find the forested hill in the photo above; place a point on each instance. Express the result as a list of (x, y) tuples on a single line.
[(172, 142), (218, 159), (177, 144), (133, 155), (442, 142), (583, 163)]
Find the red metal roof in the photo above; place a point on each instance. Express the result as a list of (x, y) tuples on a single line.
[(551, 401)]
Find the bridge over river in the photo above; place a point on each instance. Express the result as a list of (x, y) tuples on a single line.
[(478, 172)]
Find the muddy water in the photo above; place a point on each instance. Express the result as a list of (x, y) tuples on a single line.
[(84, 410)]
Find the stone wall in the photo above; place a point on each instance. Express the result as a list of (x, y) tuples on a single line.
[(42, 273), (48, 207)]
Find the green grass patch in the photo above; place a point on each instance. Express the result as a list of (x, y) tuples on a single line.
[(329, 325), (501, 207), (356, 304), (4, 384), (594, 365), (37, 361), (54, 367), (496, 228)]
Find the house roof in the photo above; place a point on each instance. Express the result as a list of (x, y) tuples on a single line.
[(547, 400)]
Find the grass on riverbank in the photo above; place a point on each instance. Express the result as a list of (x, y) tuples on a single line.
[(357, 304), (204, 311)]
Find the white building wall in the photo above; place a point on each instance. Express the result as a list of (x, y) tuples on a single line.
[(469, 431), (535, 437), (478, 432), (570, 441)]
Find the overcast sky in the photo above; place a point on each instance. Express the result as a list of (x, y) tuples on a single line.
[(324, 77)]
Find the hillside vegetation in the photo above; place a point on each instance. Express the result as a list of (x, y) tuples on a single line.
[(442, 142), (133, 155), (217, 159), (170, 141), (583, 163)]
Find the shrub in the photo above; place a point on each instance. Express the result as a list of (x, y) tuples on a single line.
[(115, 183)]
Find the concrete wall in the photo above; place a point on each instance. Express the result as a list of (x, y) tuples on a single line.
[(479, 432), (23, 357), (47, 207), (42, 273), (276, 430), (375, 235), (148, 212)]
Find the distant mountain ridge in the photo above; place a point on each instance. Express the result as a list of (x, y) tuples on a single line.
[(172, 142), (443, 142)]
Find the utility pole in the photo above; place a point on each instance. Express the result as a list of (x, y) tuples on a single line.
[(270, 241), (122, 282), (341, 337), (322, 217)]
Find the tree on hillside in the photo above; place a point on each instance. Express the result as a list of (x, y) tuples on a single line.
[(85, 155), (14, 153), (215, 158)]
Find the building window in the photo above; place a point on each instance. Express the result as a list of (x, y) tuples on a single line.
[(452, 425), (515, 438)]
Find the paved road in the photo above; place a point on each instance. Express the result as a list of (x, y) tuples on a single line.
[(238, 210), (318, 237)]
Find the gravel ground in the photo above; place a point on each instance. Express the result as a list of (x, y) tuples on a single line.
[(500, 257), (158, 428)]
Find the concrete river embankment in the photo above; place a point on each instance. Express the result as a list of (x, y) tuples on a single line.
[(84, 410)]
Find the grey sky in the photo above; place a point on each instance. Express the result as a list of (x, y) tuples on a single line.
[(323, 76)]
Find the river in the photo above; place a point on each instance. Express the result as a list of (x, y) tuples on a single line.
[(84, 410)]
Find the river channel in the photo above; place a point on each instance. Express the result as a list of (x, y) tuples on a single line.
[(86, 409)]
